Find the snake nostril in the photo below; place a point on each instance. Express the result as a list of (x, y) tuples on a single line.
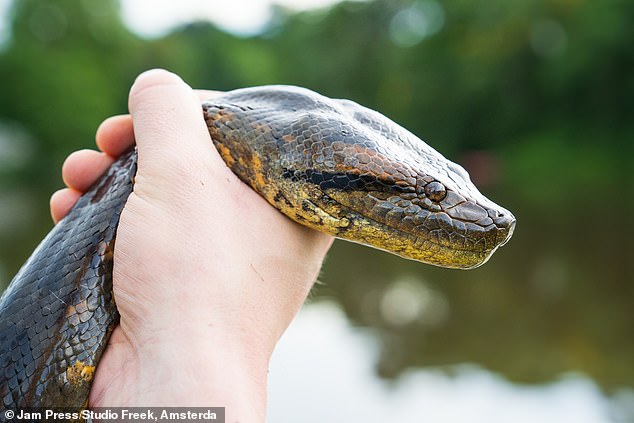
[(502, 219)]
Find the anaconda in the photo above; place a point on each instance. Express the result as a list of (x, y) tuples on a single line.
[(331, 165)]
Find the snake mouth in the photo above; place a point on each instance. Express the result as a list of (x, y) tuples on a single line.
[(509, 234), (427, 246), (423, 248)]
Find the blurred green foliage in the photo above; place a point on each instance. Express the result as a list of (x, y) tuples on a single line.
[(534, 97)]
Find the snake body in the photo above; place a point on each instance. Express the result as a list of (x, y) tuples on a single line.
[(331, 165)]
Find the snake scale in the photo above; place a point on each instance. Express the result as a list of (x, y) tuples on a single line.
[(331, 165)]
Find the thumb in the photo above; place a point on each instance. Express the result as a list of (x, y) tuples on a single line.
[(169, 127)]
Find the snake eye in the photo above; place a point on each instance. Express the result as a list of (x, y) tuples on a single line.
[(435, 191)]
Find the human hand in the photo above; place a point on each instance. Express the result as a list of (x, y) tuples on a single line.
[(207, 275)]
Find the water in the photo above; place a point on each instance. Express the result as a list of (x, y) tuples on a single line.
[(323, 370)]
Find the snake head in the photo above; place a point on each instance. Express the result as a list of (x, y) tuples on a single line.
[(343, 169), (430, 216)]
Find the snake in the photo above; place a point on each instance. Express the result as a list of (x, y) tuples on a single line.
[(328, 164)]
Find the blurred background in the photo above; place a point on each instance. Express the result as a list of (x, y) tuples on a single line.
[(534, 97)]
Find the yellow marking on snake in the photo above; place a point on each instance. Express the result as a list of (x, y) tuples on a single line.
[(256, 167), (226, 155), (79, 373)]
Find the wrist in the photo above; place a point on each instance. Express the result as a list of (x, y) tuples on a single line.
[(211, 371)]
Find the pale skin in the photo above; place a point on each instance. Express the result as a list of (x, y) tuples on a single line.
[(207, 275)]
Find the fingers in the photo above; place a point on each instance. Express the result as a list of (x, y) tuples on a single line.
[(159, 98), (82, 168), (115, 135), (168, 121), (62, 202)]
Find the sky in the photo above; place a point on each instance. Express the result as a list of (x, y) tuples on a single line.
[(152, 18), (4, 8)]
